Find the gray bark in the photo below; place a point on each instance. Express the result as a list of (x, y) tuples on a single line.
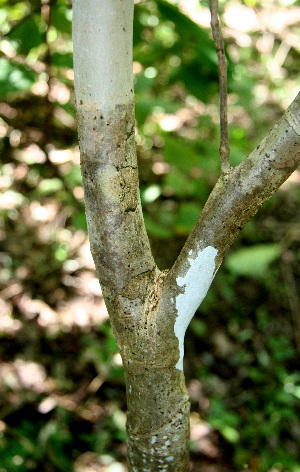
[(150, 310)]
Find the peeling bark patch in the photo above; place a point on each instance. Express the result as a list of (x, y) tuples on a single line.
[(153, 300), (196, 283)]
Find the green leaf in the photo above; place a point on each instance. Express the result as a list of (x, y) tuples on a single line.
[(14, 78), (181, 185), (225, 421), (49, 186), (296, 392), (253, 261), (79, 221), (229, 433), (187, 217), (198, 327), (180, 153), (73, 177), (27, 35), (237, 155), (62, 59), (197, 80), (61, 18), (156, 229)]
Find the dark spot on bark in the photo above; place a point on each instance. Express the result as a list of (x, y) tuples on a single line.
[(81, 102), (107, 124), (95, 117), (127, 210), (124, 29)]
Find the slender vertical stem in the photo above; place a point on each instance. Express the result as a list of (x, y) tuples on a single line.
[(222, 67), (48, 116)]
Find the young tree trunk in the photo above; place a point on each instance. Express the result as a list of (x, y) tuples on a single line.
[(151, 310)]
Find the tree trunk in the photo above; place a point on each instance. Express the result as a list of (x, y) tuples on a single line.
[(150, 310)]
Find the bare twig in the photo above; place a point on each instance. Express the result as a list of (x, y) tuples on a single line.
[(222, 66)]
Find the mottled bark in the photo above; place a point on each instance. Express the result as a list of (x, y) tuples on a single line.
[(158, 405), (150, 310)]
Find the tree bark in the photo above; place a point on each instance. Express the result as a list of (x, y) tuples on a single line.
[(150, 310)]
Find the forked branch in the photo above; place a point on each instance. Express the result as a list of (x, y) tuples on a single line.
[(238, 195)]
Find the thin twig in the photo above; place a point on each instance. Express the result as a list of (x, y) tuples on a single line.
[(222, 66)]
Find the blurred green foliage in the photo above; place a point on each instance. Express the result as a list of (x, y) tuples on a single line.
[(61, 383)]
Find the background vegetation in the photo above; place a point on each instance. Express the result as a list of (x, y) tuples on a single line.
[(62, 396)]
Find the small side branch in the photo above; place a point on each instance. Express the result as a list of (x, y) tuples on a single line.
[(222, 67), (237, 196)]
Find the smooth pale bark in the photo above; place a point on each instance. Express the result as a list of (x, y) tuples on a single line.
[(150, 310)]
